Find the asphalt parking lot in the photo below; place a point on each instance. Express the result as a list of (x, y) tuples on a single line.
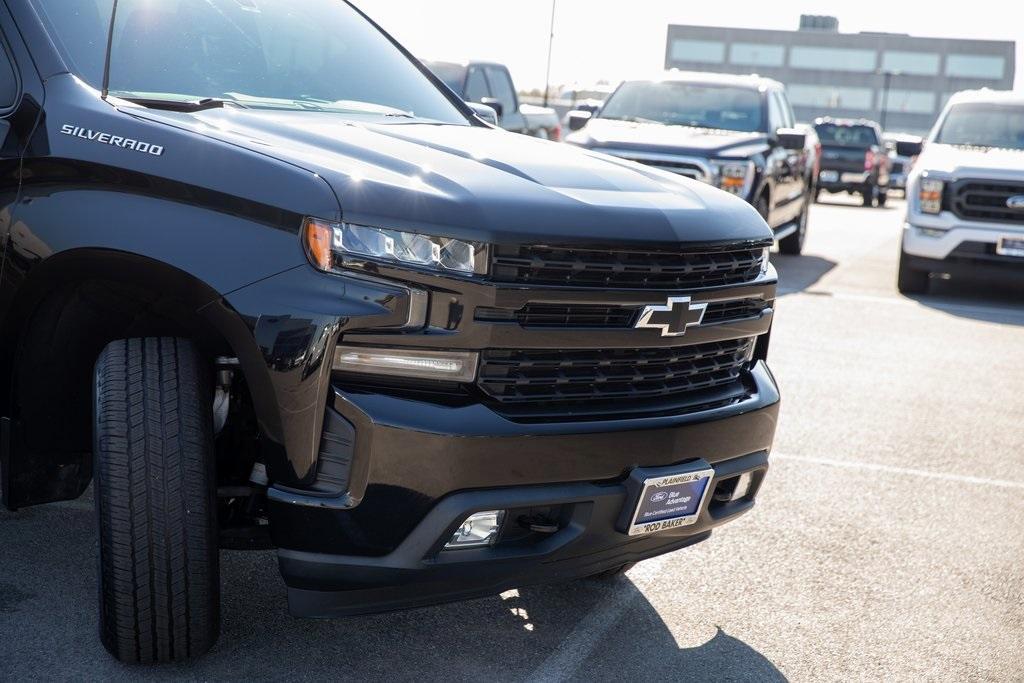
[(888, 542)]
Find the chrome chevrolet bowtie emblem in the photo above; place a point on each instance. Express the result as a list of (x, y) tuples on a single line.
[(674, 318)]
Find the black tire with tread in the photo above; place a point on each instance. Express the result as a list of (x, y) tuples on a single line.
[(155, 502), (793, 245)]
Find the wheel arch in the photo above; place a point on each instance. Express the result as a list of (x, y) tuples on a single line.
[(70, 306)]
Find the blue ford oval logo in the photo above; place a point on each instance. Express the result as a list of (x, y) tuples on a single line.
[(1015, 202), (658, 497)]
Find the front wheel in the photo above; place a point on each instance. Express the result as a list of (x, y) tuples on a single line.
[(155, 501), (793, 244)]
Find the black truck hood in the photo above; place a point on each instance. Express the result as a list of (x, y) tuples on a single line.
[(481, 184), (654, 137)]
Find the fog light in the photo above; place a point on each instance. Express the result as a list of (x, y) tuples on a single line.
[(742, 486), (479, 529)]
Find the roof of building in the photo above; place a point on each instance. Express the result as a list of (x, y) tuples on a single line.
[(746, 80)]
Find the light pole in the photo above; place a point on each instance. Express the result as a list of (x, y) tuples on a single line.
[(887, 75), (551, 42)]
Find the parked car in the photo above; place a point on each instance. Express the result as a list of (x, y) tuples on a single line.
[(903, 150), (965, 210), (316, 304), (733, 132), (853, 159), (491, 84)]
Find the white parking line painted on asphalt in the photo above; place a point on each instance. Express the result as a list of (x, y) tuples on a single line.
[(576, 647), (937, 304), (891, 469)]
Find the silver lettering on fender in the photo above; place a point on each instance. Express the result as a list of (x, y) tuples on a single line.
[(112, 140)]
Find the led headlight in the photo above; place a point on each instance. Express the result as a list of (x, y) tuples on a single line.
[(452, 366), (735, 177), (929, 196), (328, 244)]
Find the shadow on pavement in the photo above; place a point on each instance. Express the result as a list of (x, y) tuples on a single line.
[(855, 202), (981, 299), (49, 630), (797, 273)]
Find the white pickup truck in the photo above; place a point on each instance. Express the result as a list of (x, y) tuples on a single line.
[(965, 196)]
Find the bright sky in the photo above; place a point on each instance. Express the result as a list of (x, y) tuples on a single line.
[(614, 39)]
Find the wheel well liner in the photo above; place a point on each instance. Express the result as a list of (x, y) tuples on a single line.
[(71, 306)]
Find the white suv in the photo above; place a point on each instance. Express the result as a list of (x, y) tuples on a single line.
[(965, 196)]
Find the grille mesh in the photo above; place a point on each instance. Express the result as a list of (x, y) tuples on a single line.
[(986, 200), (566, 377), (538, 265)]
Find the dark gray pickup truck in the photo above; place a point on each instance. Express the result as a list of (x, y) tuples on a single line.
[(259, 295), (853, 159)]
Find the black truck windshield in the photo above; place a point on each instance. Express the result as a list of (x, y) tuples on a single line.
[(984, 125), (844, 135), (318, 55), (686, 104)]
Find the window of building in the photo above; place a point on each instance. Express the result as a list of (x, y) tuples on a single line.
[(911, 101), (832, 58), (913, 63), (706, 51), (757, 54), (975, 66), (827, 97)]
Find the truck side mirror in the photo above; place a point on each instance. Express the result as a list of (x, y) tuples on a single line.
[(790, 138), (484, 112), (579, 118), (909, 149), (495, 105)]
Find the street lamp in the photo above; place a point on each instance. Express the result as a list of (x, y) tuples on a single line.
[(551, 42), (888, 76)]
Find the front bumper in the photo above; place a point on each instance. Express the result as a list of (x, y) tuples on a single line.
[(429, 466), (962, 249), (954, 232), (419, 573)]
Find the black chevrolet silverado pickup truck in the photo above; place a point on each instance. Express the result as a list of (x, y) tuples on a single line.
[(734, 132), (259, 294)]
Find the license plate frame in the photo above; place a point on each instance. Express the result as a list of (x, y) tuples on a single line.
[(1010, 245), (654, 509)]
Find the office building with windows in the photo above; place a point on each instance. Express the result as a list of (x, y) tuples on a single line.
[(899, 80)]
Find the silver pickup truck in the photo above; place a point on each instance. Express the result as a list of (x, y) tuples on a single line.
[(490, 84), (965, 195)]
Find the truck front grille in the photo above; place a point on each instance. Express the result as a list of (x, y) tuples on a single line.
[(570, 267), (608, 316), (683, 168), (985, 200), (562, 381)]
